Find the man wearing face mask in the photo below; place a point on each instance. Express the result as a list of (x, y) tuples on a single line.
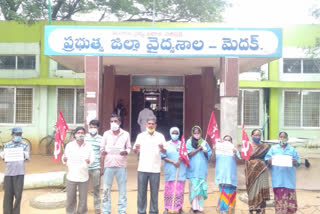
[(78, 155), (14, 173), (284, 177), (94, 139), (114, 149), (149, 145)]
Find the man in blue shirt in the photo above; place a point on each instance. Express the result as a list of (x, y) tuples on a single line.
[(94, 139), (283, 177), (14, 173)]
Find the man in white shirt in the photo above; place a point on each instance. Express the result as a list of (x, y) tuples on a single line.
[(149, 145), (78, 155), (144, 114)]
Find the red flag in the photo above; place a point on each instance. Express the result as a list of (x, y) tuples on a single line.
[(61, 132), (246, 147), (183, 154), (213, 131)]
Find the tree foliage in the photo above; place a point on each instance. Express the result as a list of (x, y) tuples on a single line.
[(115, 10)]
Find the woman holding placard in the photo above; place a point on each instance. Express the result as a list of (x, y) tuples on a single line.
[(283, 160), (199, 153), (226, 174), (256, 172)]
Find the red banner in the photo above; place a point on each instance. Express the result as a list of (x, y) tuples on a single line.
[(61, 132), (213, 131), (246, 147), (183, 154)]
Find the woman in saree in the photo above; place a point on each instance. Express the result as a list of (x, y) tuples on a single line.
[(199, 153), (174, 183), (256, 172)]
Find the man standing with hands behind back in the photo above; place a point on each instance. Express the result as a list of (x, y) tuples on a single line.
[(149, 145), (115, 147)]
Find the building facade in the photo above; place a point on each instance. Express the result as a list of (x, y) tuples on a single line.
[(283, 94)]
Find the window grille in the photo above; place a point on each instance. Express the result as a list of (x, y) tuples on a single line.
[(302, 108), (16, 105), (71, 104), (249, 107)]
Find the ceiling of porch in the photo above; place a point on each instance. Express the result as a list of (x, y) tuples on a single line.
[(159, 65)]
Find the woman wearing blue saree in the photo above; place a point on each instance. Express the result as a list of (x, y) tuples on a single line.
[(199, 153)]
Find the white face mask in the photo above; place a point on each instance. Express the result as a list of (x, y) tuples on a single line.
[(114, 126), (93, 131)]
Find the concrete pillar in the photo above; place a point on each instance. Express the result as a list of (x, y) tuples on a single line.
[(93, 88), (209, 96), (107, 101), (44, 130), (229, 97)]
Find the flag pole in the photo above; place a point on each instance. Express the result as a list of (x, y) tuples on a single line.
[(174, 191)]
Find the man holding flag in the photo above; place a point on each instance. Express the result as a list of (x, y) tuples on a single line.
[(175, 169)]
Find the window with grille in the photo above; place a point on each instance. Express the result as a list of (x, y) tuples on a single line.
[(16, 105), (71, 104), (297, 66), (302, 108), (249, 102), (21, 62)]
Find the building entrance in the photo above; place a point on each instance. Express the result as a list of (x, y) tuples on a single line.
[(166, 103)]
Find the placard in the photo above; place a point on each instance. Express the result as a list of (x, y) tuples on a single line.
[(282, 160), (13, 154), (224, 148)]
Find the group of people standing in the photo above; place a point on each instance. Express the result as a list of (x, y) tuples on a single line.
[(92, 156)]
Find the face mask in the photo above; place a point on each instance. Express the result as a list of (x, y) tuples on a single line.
[(174, 137), (256, 140), (16, 138), (114, 126), (283, 142), (196, 136), (150, 130), (79, 137), (93, 131)]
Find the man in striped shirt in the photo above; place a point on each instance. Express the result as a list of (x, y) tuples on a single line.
[(94, 139), (14, 173)]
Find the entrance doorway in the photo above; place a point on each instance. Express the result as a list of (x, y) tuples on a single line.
[(167, 103)]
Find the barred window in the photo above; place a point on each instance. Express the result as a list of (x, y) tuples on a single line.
[(71, 104), (20, 62), (298, 66), (302, 108), (16, 105), (249, 107)]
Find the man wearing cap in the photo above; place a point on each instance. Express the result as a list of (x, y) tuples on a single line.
[(14, 173)]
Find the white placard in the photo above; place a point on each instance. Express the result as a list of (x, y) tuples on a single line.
[(91, 94), (224, 148), (75, 161), (282, 160), (113, 150), (13, 154)]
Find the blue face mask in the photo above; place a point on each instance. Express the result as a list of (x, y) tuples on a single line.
[(174, 137), (256, 140), (16, 138)]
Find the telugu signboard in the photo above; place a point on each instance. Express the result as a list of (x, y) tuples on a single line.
[(163, 42)]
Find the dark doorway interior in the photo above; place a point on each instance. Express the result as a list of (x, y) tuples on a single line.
[(167, 106)]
